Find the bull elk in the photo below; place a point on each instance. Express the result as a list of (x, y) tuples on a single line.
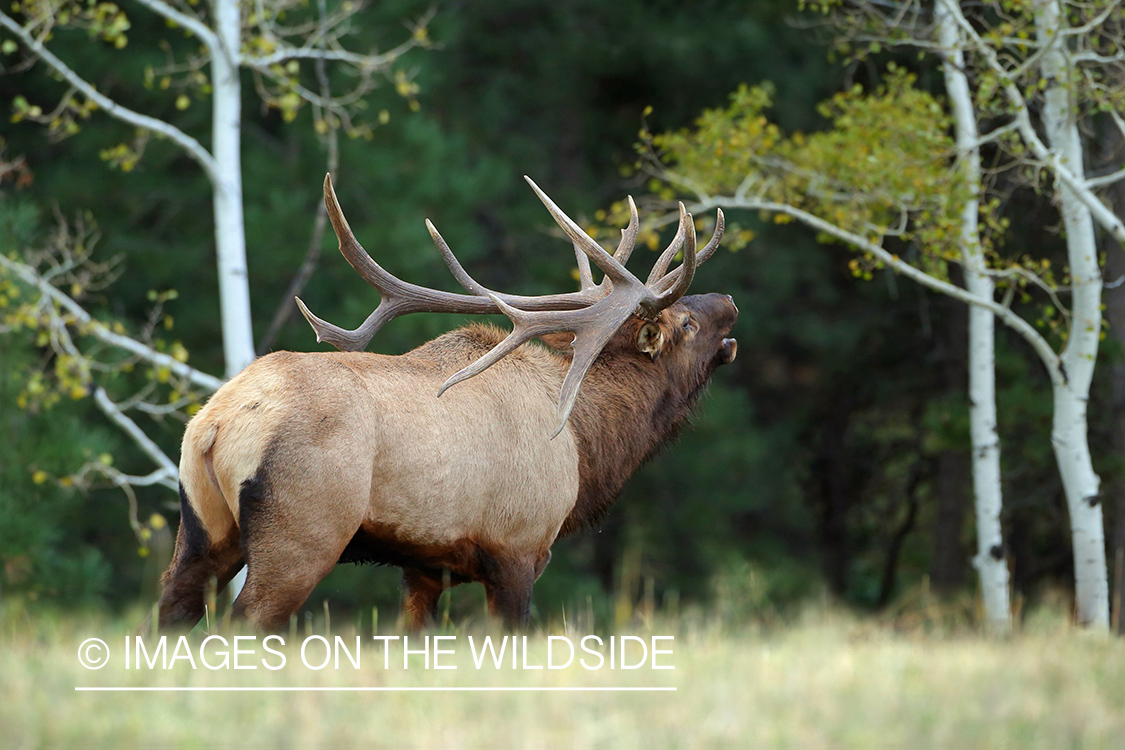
[(306, 460)]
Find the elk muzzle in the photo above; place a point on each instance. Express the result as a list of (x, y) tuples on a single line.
[(728, 351), (728, 348)]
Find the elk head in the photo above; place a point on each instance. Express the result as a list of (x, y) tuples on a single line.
[(594, 314)]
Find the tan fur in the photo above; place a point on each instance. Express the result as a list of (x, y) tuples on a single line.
[(437, 469)]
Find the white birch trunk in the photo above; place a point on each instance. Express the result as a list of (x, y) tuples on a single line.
[(990, 562), (226, 148), (230, 231), (1069, 434)]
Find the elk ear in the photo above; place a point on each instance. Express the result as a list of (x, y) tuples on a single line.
[(650, 339)]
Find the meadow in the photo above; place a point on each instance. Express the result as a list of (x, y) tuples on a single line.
[(819, 679)]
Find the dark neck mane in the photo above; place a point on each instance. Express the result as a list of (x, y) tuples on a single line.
[(622, 417)]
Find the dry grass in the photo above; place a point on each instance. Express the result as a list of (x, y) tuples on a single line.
[(825, 681)]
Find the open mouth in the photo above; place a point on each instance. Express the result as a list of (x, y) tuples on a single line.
[(728, 351)]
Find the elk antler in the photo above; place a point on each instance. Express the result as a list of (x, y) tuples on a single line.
[(592, 314), (592, 326), (400, 297)]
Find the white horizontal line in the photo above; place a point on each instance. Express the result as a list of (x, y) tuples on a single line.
[(174, 689)]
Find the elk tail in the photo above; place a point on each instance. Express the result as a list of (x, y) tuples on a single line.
[(206, 518)]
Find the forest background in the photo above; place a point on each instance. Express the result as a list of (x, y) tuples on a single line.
[(833, 455)]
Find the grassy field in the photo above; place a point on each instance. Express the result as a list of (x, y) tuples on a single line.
[(823, 680)]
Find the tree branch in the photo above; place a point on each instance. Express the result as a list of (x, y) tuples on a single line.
[(193, 148), (167, 474), (1106, 179), (371, 62), (1101, 213), (320, 52), (1015, 322), (193, 24), (99, 331)]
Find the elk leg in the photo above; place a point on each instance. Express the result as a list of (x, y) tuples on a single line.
[(185, 583), (422, 595), (284, 562), (290, 543), (277, 587), (508, 587)]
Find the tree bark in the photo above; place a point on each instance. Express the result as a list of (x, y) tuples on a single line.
[(990, 560), (230, 228), (1069, 434), (226, 147)]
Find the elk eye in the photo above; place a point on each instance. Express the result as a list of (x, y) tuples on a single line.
[(688, 325)]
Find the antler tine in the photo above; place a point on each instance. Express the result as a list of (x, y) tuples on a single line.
[(586, 350), (398, 297), (621, 254), (612, 268), (661, 266), (628, 235), (702, 257), (343, 339), (567, 301), (585, 277), (686, 270), (522, 332), (463, 278), (353, 252), (593, 327)]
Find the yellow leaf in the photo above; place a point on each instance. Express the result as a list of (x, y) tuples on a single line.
[(182, 102), (39, 477)]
